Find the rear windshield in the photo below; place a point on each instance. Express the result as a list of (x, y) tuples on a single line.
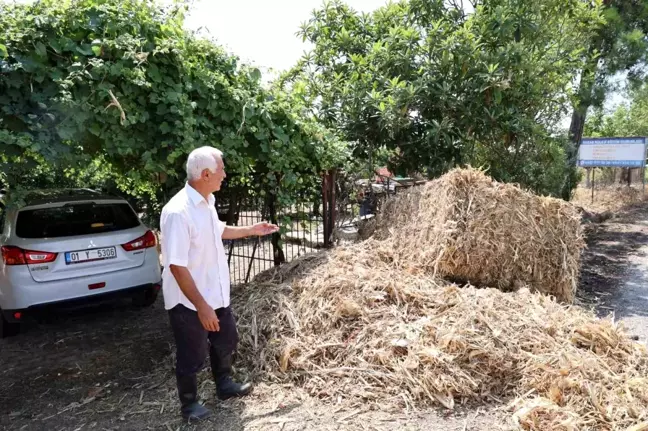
[(75, 219)]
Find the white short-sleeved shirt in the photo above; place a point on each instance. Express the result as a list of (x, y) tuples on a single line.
[(192, 237)]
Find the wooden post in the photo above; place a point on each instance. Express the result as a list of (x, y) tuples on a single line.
[(593, 175), (277, 251), (325, 210)]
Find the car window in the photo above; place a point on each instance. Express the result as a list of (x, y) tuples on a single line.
[(75, 219)]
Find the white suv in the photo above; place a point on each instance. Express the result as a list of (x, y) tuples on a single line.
[(70, 245)]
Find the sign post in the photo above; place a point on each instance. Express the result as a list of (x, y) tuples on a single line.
[(593, 175), (627, 152)]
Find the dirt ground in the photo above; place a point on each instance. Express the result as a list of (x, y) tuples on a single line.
[(111, 367), (614, 275)]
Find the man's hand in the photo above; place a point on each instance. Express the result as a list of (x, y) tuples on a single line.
[(263, 228), (208, 318)]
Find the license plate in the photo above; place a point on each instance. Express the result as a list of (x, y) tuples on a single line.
[(90, 255)]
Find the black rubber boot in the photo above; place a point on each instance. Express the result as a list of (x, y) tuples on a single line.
[(191, 409), (227, 388)]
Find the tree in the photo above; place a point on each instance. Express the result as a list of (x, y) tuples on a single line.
[(620, 44), (122, 82), (442, 88), (629, 119)]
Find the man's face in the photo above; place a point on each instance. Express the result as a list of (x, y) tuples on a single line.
[(216, 178)]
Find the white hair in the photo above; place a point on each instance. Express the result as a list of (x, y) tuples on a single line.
[(203, 158)]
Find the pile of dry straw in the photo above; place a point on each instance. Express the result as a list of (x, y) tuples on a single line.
[(371, 322), (610, 198)]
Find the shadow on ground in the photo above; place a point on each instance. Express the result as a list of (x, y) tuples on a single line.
[(614, 275), (105, 367)]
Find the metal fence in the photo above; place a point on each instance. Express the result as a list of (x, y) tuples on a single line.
[(247, 257), (302, 230), (308, 226)]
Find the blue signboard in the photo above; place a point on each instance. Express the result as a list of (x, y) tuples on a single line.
[(627, 152)]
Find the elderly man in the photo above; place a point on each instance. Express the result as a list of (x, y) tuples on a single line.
[(196, 282)]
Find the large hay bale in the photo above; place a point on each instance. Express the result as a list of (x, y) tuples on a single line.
[(467, 227)]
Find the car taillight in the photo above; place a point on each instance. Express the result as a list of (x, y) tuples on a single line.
[(146, 241), (34, 257), (17, 256), (13, 256)]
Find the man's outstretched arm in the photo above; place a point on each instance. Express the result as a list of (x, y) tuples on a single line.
[(259, 229)]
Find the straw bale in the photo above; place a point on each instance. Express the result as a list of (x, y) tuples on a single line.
[(466, 227), (469, 228)]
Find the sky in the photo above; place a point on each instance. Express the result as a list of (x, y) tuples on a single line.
[(262, 32)]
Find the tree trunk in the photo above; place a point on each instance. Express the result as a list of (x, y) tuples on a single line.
[(625, 176), (277, 251), (578, 124), (575, 136), (629, 179)]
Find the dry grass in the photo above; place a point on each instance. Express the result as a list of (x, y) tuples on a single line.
[(365, 322), (608, 198)]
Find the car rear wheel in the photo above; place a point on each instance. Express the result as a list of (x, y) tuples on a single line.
[(146, 297), (8, 329)]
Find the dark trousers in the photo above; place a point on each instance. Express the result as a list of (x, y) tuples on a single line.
[(193, 342)]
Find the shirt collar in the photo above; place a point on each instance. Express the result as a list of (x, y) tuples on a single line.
[(196, 197)]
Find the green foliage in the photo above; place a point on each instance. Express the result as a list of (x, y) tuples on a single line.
[(630, 119), (442, 89), (619, 44), (539, 165), (96, 174), (122, 82)]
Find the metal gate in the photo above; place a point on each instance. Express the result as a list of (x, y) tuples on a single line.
[(306, 227)]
